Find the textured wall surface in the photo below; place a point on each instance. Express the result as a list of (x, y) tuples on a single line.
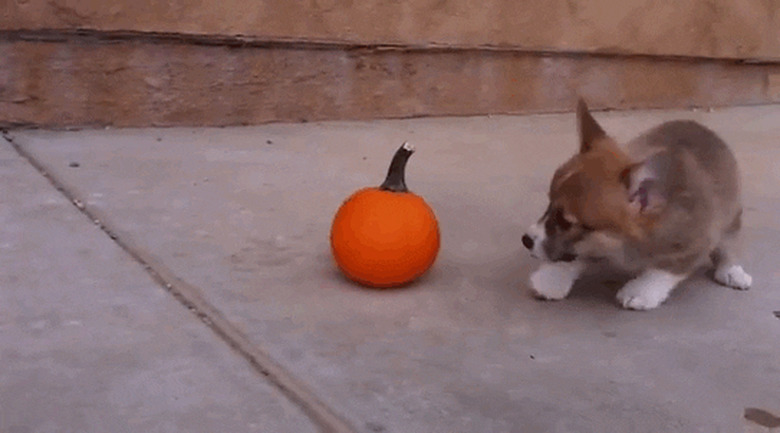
[(91, 83), (196, 62), (709, 28)]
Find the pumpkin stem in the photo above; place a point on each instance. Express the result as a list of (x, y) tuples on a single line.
[(395, 180)]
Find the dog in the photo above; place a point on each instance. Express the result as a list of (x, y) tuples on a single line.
[(658, 208)]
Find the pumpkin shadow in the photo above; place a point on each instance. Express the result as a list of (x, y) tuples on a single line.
[(335, 274)]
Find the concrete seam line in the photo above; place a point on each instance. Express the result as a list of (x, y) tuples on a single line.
[(302, 43), (189, 296)]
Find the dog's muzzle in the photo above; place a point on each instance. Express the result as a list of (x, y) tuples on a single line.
[(532, 241)]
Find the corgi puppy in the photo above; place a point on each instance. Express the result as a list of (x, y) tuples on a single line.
[(657, 208)]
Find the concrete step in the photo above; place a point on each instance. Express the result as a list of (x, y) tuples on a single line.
[(75, 80)]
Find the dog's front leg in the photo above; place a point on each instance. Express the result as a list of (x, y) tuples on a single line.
[(649, 289), (554, 280)]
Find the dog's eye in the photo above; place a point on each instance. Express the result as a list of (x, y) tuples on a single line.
[(564, 224), (560, 220)]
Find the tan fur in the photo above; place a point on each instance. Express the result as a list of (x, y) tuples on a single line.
[(590, 189)]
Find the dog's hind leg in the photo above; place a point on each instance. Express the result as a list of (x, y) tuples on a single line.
[(725, 257)]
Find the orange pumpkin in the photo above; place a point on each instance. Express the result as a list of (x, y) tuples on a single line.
[(385, 236)]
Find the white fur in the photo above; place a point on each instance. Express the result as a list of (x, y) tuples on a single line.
[(733, 276), (554, 280), (648, 290), (536, 232)]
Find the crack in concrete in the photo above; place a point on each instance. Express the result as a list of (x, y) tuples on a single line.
[(190, 297)]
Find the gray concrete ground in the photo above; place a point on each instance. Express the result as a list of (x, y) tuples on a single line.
[(90, 343), (237, 220)]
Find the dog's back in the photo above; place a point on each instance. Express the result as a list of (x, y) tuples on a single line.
[(700, 182)]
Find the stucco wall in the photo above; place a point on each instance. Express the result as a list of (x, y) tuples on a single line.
[(70, 63), (707, 28), (55, 84)]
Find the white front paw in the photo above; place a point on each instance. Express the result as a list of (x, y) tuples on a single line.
[(649, 290), (553, 281), (733, 276), (634, 298)]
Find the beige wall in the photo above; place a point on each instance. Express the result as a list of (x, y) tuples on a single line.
[(92, 84), (128, 63), (708, 28)]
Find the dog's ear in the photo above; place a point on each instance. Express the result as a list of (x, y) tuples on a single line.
[(590, 131), (645, 183)]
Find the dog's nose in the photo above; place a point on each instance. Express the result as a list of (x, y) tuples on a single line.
[(528, 242)]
